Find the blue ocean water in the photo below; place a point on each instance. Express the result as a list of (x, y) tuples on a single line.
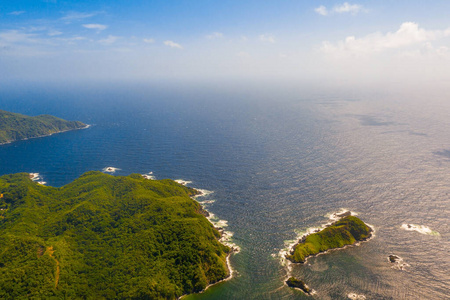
[(279, 161)]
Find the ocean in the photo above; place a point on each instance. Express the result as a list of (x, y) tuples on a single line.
[(278, 162)]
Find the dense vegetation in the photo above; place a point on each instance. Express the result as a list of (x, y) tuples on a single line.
[(346, 231), (105, 237), (297, 283), (14, 127)]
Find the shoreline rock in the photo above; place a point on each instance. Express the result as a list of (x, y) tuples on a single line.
[(393, 258), (397, 262), (293, 282)]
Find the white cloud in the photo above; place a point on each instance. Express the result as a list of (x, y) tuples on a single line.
[(321, 10), (214, 35), (36, 28), (75, 38), (15, 36), (73, 15), (54, 33), (340, 9), (267, 38), (408, 34), (72, 40), (427, 50), (109, 40), (172, 44), (20, 43), (98, 27), (78, 38), (123, 50), (348, 8), (148, 41), (17, 12)]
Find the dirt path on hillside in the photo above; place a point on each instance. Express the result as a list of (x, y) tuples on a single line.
[(50, 253)]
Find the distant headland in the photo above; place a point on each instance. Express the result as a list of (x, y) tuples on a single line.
[(15, 127)]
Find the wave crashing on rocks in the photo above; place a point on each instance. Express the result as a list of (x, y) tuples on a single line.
[(420, 229)]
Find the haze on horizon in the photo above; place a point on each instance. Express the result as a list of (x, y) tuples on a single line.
[(354, 43)]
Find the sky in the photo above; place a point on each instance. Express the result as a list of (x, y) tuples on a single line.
[(319, 42)]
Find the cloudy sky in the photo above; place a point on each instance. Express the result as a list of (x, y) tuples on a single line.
[(302, 41)]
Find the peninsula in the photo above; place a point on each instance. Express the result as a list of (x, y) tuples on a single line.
[(345, 231), (105, 237), (15, 127)]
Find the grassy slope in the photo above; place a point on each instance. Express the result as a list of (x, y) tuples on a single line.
[(103, 237), (346, 231), (15, 127)]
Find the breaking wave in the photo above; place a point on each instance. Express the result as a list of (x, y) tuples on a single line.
[(420, 229), (110, 170)]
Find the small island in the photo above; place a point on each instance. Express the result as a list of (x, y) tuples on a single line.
[(105, 237), (346, 231), (298, 284), (15, 127)]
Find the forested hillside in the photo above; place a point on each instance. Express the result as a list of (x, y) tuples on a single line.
[(103, 237)]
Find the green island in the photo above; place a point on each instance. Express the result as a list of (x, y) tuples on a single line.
[(346, 231), (105, 237), (298, 284), (14, 127)]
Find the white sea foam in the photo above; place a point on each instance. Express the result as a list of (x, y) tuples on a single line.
[(149, 176), (183, 182), (289, 248), (343, 212), (221, 225), (35, 176), (110, 170), (398, 264), (226, 235), (231, 272), (420, 229), (206, 202), (356, 296), (290, 244), (203, 193)]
